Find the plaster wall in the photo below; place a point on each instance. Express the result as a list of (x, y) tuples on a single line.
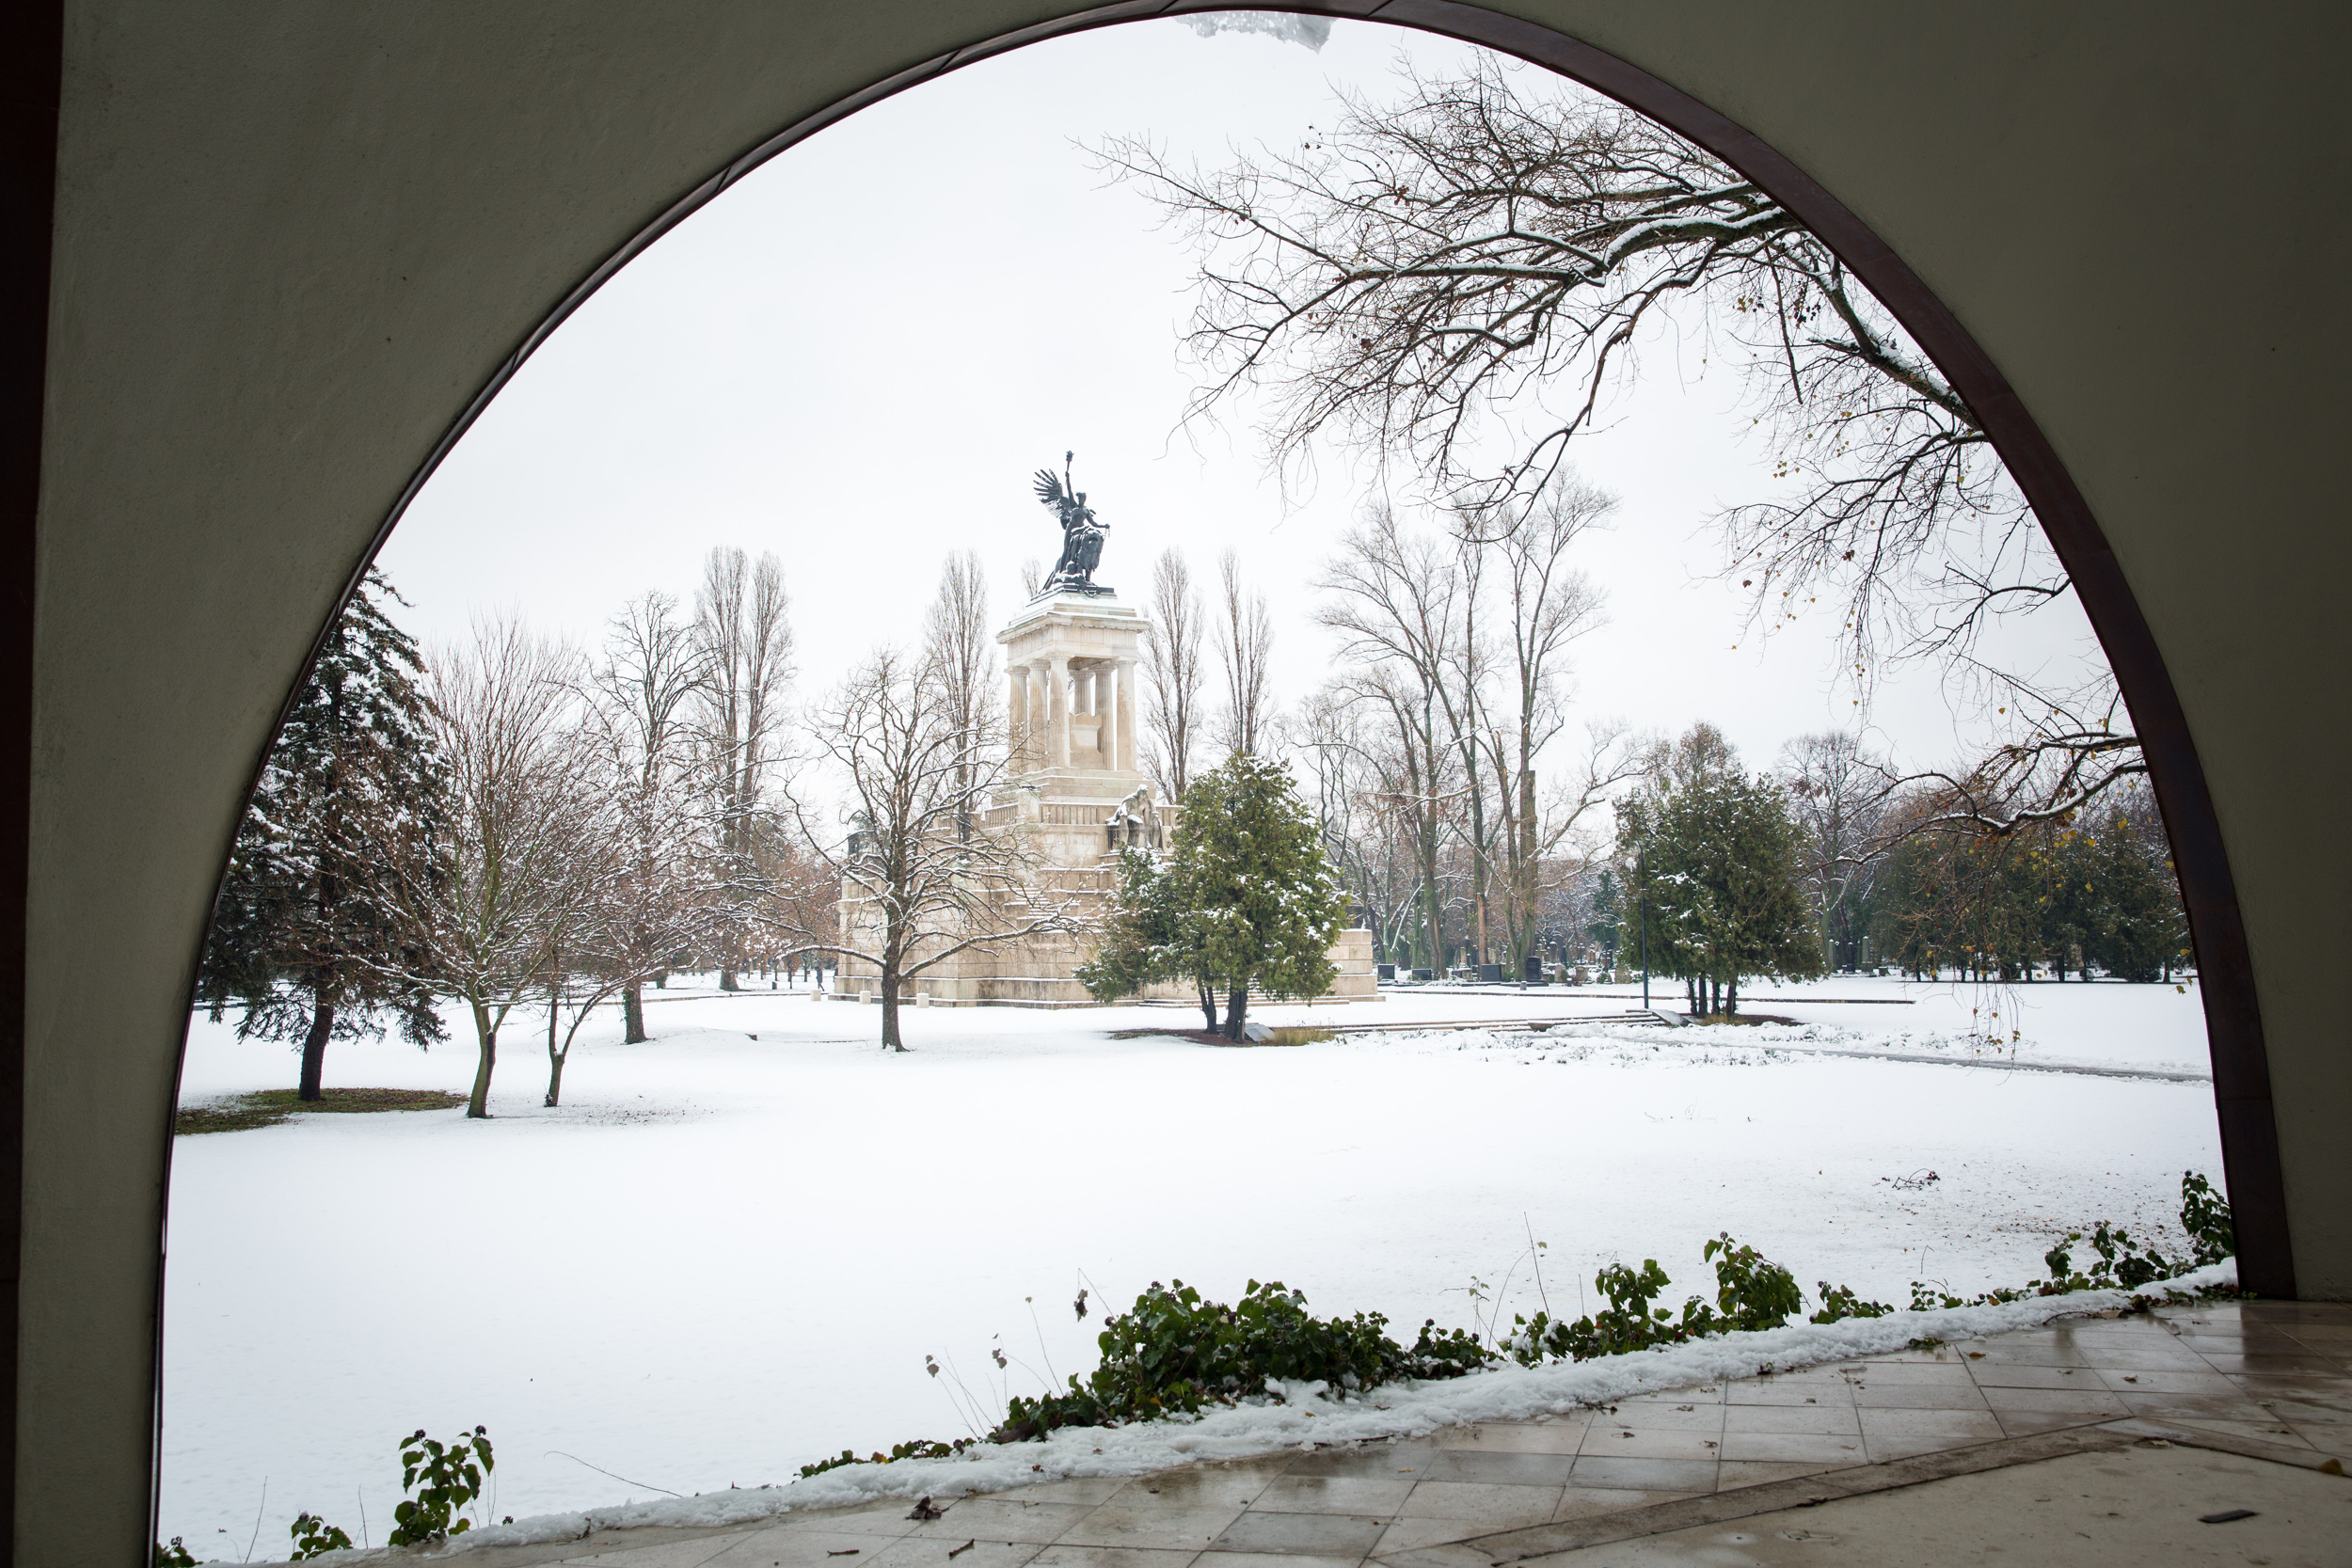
[(292, 241)]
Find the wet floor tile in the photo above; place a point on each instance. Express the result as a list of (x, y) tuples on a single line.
[(1504, 1469), (971, 1552), (2167, 1381), (800, 1549), (1302, 1534), (1218, 1557), (1548, 1437), (1588, 1502), (1943, 1396), (2086, 1403), (1814, 1419), (1735, 1473), (1489, 1507), (1109, 1556), (1380, 1495), (1644, 1475), (1794, 1447), (1120, 1523), (1604, 1444), (1001, 1519), (2022, 1375)]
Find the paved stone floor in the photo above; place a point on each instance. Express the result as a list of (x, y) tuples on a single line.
[(2122, 1432)]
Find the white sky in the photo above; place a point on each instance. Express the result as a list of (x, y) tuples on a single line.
[(857, 356)]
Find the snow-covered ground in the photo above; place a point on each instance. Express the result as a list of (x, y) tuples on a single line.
[(727, 1256)]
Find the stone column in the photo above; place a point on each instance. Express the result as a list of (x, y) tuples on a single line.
[(1017, 711), (1113, 732), (1057, 708), (1123, 702), (1032, 697)]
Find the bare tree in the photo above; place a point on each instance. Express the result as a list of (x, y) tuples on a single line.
[(745, 641), (1396, 604), (916, 891), (1838, 795), (490, 899), (1245, 643), (639, 701), (1172, 673), (800, 911), (1455, 282), (1464, 698), (961, 659), (1359, 776), (1551, 605)]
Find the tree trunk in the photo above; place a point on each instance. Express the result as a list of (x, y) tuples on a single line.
[(555, 1057), (1208, 1001), (1732, 998), (486, 1032), (1236, 1008), (633, 1015), (726, 980), (314, 1047), (890, 1008)]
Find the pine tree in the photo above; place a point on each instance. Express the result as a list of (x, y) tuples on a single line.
[(1251, 868), (300, 939)]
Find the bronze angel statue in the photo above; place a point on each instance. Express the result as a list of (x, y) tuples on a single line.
[(1080, 535)]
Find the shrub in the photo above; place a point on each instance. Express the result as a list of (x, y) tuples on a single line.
[(2206, 1215), (313, 1536), (1751, 1292), (1173, 1352), (2125, 1265), (1839, 1303), (919, 1449), (175, 1555), (450, 1477)]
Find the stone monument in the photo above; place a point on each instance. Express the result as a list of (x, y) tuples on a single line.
[(1076, 788)]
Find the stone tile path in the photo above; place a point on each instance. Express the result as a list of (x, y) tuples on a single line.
[(2268, 1381)]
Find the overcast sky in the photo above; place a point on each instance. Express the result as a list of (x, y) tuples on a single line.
[(857, 356)]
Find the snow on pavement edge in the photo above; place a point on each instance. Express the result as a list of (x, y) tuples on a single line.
[(1306, 1417)]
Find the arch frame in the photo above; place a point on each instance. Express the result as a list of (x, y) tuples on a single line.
[(2241, 1075)]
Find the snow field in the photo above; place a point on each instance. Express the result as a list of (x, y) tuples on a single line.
[(725, 1257)]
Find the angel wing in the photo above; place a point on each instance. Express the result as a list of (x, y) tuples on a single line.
[(1049, 490)]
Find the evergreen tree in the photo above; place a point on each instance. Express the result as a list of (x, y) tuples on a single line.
[(1250, 865), (2141, 930), (1606, 926), (1151, 934), (301, 940), (1721, 860)]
